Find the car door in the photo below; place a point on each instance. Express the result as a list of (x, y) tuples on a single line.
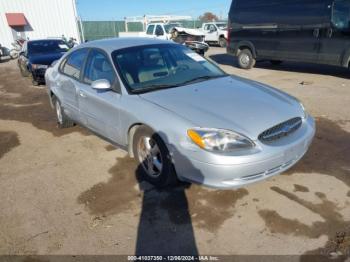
[(68, 82), (160, 33), (335, 39), (211, 33), (99, 108)]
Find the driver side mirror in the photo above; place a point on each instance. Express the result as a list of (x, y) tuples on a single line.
[(102, 84)]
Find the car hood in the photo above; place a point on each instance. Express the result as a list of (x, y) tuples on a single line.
[(45, 59), (229, 103)]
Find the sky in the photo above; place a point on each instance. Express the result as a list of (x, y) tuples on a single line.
[(118, 9)]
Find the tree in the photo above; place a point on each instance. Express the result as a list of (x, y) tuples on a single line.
[(208, 17)]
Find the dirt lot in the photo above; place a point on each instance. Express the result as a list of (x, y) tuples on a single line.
[(69, 192)]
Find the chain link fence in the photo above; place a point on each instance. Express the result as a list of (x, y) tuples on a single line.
[(94, 30)]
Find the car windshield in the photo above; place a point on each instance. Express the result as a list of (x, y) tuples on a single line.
[(47, 46), (222, 26), (154, 67), (168, 27)]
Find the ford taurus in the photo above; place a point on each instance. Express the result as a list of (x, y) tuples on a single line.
[(177, 113)]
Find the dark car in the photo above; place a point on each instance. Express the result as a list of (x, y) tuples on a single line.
[(38, 55), (315, 31)]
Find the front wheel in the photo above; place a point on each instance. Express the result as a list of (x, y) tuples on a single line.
[(153, 156), (246, 59), (222, 42)]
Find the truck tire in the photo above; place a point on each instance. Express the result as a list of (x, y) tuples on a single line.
[(222, 42), (246, 59)]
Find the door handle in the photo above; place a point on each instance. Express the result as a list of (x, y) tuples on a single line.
[(316, 32), (82, 94)]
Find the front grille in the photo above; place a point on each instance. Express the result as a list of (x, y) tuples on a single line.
[(281, 130)]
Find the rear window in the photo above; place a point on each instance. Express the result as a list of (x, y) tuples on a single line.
[(47, 46), (73, 64)]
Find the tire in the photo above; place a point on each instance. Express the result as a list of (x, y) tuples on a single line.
[(63, 120), (155, 167), (34, 82), (276, 62), (24, 73), (222, 42), (246, 59)]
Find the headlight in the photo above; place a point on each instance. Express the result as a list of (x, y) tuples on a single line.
[(219, 140), (36, 66)]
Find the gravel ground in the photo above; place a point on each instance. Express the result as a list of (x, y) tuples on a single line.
[(69, 192)]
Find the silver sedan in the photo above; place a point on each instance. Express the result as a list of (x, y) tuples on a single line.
[(178, 114)]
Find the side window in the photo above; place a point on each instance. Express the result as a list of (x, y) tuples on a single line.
[(98, 67), (73, 64), (207, 27), (212, 28), (150, 30), (341, 14), (159, 30)]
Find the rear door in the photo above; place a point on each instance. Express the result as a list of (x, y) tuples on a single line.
[(68, 81), (99, 109), (335, 39)]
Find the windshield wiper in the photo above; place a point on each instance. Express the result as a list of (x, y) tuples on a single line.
[(197, 79), (153, 88)]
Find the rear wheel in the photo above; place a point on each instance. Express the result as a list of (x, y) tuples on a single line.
[(153, 156), (275, 62), (63, 120), (24, 72), (222, 42), (246, 59)]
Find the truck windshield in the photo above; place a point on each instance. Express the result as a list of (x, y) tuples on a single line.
[(341, 14), (154, 67), (168, 27)]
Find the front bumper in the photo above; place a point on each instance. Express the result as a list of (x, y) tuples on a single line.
[(259, 167), (197, 46)]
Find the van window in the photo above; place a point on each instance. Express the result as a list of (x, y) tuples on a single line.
[(150, 30), (341, 14), (159, 30)]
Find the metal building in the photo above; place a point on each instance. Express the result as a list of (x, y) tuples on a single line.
[(35, 19)]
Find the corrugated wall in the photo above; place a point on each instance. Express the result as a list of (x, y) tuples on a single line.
[(47, 18), (106, 29)]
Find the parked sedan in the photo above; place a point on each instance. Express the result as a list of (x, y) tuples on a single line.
[(178, 114), (38, 55)]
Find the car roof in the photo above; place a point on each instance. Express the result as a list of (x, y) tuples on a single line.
[(112, 44)]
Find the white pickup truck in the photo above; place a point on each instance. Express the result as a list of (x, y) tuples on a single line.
[(193, 38), (215, 32)]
